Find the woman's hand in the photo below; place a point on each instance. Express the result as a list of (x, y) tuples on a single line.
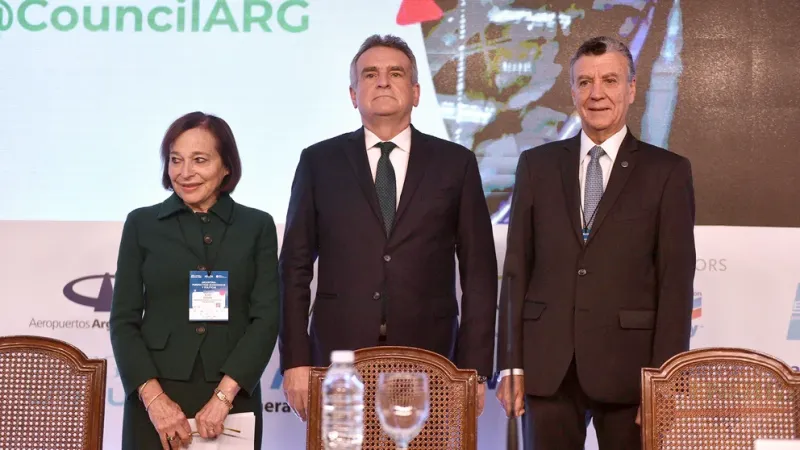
[(210, 419), (170, 422)]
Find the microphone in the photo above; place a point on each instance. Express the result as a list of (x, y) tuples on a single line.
[(511, 432)]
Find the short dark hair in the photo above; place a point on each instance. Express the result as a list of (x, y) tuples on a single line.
[(389, 41), (226, 146), (601, 45)]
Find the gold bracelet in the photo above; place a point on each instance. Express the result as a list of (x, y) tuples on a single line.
[(141, 388), (221, 395), (147, 408)]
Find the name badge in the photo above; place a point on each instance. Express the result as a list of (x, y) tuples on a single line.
[(208, 295), (585, 235)]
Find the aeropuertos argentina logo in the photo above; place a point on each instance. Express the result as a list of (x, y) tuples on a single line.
[(164, 16)]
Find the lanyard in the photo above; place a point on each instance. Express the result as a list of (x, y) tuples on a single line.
[(585, 224), (209, 264)]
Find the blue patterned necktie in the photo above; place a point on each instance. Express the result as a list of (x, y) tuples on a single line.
[(386, 185), (593, 189)]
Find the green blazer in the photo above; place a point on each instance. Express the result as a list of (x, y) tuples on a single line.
[(151, 334)]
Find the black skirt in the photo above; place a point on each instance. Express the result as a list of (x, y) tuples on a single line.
[(138, 433)]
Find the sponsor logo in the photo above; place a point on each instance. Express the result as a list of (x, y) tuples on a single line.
[(92, 291), (711, 265), (176, 16), (418, 11), (100, 302), (697, 312), (794, 320), (277, 407)]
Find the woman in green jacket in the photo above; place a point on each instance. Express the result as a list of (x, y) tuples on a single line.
[(194, 317)]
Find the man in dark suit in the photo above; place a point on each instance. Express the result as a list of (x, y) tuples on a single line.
[(599, 263), (385, 210)]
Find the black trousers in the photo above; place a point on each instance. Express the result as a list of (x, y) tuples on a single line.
[(559, 422)]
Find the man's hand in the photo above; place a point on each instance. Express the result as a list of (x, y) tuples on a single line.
[(481, 393), (639, 416), (295, 388), (505, 397)]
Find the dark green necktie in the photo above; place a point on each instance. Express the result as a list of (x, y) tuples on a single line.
[(386, 185)]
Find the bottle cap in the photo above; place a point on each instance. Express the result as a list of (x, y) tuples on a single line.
[(342, 357)]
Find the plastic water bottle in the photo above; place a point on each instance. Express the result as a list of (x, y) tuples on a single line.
[(342, 404)]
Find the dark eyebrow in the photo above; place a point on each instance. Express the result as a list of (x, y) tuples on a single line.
[(371, 69), (195, 153)]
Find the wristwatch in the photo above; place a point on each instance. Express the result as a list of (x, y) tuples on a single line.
[(481, 379), (220, 395)]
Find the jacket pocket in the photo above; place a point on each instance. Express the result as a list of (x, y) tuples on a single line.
[(532, 310), (637, 319), (155, 337)]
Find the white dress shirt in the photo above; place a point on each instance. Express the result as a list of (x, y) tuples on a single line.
[(611, 149), (398, 157)]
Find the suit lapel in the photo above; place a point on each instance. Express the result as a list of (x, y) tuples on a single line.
[(623, 166), (418, 159), (570, 161), (357, 154)]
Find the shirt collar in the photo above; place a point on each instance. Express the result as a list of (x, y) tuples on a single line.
[(402, 140), (610, 146), (223, 208)]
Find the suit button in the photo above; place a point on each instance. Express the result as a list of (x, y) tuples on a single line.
[(581, 272), (376, 296), (202, 267), (387, 258), (207, 239), (200, 330)]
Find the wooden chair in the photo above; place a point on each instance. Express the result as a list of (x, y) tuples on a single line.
[(53, 396), (452, 423), (719, 398)]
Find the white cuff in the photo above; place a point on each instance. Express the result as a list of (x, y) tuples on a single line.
[(507, 372)]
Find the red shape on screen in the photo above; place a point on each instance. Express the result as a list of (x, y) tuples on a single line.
[(417, 11)]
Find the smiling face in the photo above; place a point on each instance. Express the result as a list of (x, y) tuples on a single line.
[(384, 86), (602, 93), (196, 169)]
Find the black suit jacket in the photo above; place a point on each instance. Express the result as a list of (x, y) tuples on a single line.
[(618, 303), (334, 218)]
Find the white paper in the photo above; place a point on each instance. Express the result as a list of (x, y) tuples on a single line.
[(765, 444), (230, 440)]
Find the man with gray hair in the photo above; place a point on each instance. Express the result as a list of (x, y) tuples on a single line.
[(385, 211), (599, 266)]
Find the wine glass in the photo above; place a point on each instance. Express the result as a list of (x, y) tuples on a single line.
[(402, 404)]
